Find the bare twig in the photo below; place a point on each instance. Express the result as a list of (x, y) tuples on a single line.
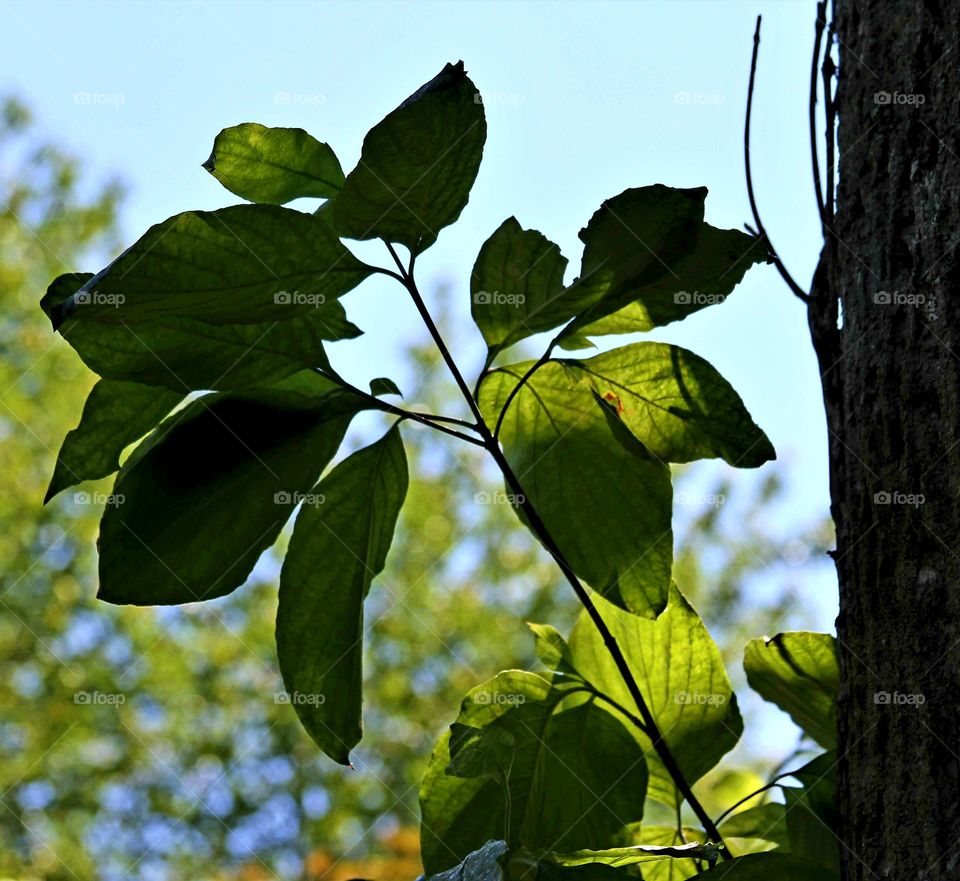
[(830, 112), (797, 290), (812, 109)]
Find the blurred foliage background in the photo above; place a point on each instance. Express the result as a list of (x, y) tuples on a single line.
[(148, 743)]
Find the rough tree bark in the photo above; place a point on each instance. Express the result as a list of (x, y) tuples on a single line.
[(891, 381)]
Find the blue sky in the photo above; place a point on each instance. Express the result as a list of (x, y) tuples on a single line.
[(583, 101)]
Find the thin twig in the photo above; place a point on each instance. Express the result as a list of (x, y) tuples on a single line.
[(830, 112), (812, 110), (797, 290)]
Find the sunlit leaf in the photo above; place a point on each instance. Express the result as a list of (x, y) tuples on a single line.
[(604, 497), (632, 855), (799, 673), (680, 673), (676, 404), (673, 868), (575, 779), (273, 165), (765, 821)]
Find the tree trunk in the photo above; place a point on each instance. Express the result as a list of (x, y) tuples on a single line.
[(891, 381)]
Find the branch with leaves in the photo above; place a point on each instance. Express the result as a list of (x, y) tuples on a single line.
[(210, 335)]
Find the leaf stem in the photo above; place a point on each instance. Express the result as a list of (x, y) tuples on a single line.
[(428, 419), (589, 689), (747, 798), (539, 529), (516, 389)]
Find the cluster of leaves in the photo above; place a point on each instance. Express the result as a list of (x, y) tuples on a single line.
[(220, 319)]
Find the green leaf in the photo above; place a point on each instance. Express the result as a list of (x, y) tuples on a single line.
[(552, 872), (184, 354), (632, 855), (205, 494), (239, 265), (765, 821), (680, 673), (417, 165), (770, 867), (114, 416), (649, 259), (339, 545), (576, 342), (676, 404), (812, 818), (809, 835), (484, 864), (630, 242), (481, 752), (551, 647), (798, 672), (384, 386), (576, 777), (675, 868), (516, 286), (274, 165), (705, 277), (605, 499)]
